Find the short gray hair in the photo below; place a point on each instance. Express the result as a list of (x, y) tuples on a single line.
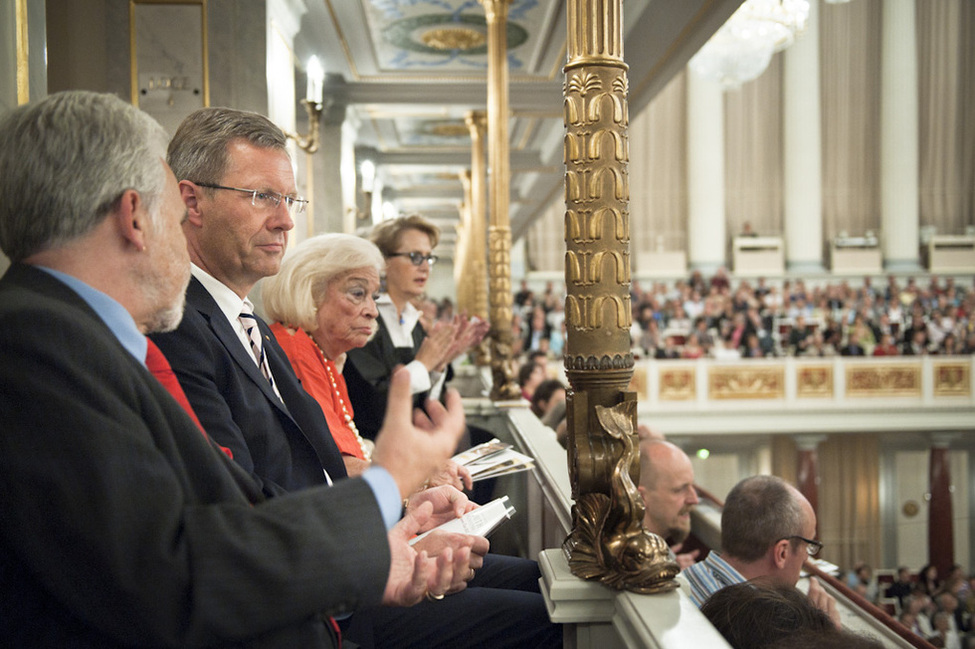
[(759, 512), (64, 163), (198, 150), (292, 297)]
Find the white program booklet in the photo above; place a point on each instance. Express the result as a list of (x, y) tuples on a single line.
[(479, 522)]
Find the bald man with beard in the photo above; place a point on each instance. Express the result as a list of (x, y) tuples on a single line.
[(667, 488)]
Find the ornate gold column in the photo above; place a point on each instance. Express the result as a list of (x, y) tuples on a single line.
[(477, 249), (462, 255), (499, 234), (608, 541)]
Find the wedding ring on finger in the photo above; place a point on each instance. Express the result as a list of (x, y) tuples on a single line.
[(470, 576), (434, 598)]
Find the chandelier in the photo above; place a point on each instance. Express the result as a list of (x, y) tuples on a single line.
[(743, 47)]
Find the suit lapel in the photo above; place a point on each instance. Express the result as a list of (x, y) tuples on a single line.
[(201, 300)]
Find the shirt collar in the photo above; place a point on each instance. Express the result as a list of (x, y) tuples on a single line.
[(113, 314), (229, 302), (405, 321)]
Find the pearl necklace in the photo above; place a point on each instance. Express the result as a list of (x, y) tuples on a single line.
[(365, 444)]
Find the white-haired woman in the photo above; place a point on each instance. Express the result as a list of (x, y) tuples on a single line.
[(322, 304)]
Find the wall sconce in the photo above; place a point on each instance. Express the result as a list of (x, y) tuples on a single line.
[(313, 106)]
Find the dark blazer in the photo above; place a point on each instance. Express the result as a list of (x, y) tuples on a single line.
[(367, 372), (283, 445), (121, 525)]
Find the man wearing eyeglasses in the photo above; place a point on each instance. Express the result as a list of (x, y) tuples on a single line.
[(407, 243), (768, 531), (237, 183)]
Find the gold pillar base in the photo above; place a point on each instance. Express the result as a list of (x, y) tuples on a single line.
[(608, 542)]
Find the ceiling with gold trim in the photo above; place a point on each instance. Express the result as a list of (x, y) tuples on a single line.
[(408, 70)]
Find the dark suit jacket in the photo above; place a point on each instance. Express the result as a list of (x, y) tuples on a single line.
[(283, 446), (121, 525), (367, 372)]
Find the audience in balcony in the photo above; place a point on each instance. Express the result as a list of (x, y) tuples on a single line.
[(912, 317)]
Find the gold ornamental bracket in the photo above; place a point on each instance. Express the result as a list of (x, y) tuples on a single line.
[(608, 542)]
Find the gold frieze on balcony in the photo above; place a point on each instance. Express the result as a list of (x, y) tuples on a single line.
[(814, 382), (746, 383), (952, 380), (678, 384), (883, 381)]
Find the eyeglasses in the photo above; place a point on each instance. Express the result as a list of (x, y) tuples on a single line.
[(417, 258), (266, 200), (812, 547)]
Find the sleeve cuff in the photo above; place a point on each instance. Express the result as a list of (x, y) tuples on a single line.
[(386, 492), (419, 377)]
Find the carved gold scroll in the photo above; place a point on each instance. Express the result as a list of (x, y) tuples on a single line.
[(608, 541)]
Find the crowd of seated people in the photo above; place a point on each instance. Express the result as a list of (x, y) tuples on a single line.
[(940, 610), (714, 317)]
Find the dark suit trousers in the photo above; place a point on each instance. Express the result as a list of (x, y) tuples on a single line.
[(501, 608)]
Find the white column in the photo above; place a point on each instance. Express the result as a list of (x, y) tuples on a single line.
[(803, 153), (329, 193), (899, 138), (705, 173)]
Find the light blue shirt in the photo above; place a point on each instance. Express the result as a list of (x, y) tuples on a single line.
[(122, 325), (709, 576), (113, 314)]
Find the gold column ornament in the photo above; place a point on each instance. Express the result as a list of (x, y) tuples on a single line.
[(504, 387), (462, 251), (608, 541), (476, 121)]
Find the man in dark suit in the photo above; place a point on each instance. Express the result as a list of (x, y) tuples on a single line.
[(122, 523), (236, 180)]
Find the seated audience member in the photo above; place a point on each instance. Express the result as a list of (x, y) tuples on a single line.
[(853, 346), (548, 393), (123, 524), (886, 346), (322, 305), (407, 244), (767, 531), (927, 580), (669, 351), (901, 588), (692, 347), (530, 376), (247, 396), (667, 488), (860, 581), (753, 616), (944, 635), (799, 336)]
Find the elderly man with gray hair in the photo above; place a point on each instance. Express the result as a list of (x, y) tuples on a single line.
[(767, 533)]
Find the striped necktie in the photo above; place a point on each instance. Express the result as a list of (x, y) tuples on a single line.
[(249, 321)]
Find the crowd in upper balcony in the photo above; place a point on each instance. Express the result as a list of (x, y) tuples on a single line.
[(716, 317)]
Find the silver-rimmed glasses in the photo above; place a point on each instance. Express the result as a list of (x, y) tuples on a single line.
[(266, 200)]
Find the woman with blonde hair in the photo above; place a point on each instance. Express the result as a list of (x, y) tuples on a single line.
[(322, 304)]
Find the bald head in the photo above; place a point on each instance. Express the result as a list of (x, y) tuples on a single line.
[(667, 488)]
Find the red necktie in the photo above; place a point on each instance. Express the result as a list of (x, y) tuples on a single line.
[(157, 364)]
